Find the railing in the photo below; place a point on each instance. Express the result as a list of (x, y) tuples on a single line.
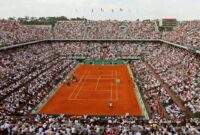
[(105, 62), (105, 40)]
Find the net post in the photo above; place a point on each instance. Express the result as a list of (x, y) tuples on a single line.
[(117, 80)]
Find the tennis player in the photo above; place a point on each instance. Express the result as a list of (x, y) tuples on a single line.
[(68, 83), (110, 105), (74, 79)]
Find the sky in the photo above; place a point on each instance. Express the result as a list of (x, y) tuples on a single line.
[(132, 9)]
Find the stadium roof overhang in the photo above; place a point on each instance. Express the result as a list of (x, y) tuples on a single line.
[(103, 40)]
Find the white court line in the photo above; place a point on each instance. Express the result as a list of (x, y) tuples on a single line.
[(111, 91), (77, 85), (98, 78), (106, 74), (91, 99), (96, 91), (97, 84), (116, 87), (81, 86), (111, 88)]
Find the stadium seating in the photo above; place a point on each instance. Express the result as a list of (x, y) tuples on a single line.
[(154, 93), (28, 73), (105, 30), (180, 70), (187, 34), (11, 32)]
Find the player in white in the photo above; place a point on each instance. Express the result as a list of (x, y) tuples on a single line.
[(110, 105)]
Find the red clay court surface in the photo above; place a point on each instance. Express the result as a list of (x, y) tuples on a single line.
[(96, 86)]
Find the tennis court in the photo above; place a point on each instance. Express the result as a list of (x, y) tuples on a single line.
[(96, 86)]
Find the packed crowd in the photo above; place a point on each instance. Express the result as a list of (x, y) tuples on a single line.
[(96, 50), (154, 94), (11, 32), (40, 67), (181, 71), (27, 61), (87, 125), (188, 33), (35, 68), (105, 30)]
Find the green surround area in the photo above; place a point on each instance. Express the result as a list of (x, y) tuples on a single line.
[(123, 60), (144, 110), (105, 62)]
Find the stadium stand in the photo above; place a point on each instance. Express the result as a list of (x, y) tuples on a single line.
[(187, 34), (28, 73), (105, 30), (180, 70), (155, 94), (11, 32)]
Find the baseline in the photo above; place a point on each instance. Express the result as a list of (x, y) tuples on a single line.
[(77, 84)]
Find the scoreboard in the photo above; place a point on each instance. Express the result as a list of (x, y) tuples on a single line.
[(169, 22)]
